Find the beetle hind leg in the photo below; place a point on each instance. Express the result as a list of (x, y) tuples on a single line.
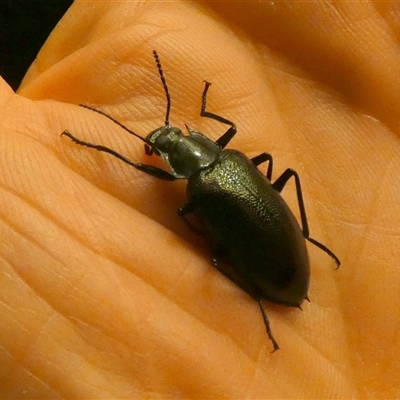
[(245, 285), (268, 327), (325, 249), (278, 185)]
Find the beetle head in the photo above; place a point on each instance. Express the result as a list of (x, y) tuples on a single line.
[(185, 155)]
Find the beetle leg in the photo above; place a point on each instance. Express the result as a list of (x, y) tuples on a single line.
[(148, 169), (188, 208), (279, 184), (232, 274), (262, 158), (267, 326), (245, 285), (230, 133)]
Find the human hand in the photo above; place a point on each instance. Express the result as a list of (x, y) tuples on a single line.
[(107, 294)]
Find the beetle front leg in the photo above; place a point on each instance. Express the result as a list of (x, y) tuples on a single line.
[(148, 169), (279, 184), (230, 133)]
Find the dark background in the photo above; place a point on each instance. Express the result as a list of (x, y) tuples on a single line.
[(24, 27)]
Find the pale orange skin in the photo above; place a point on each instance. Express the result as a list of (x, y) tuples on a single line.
[(105, 293)]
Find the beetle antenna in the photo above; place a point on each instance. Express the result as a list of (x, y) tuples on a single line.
[(164, 83), (113, 120)]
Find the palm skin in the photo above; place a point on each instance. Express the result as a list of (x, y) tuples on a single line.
[(105, 291)]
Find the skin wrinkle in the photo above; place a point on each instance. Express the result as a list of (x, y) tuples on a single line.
[(42, 382), (35, 290), (84, 361), (37, 242), (26, 370), (61, 313), (77, 322), (105, 371)]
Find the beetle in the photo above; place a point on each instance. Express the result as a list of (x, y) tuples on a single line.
[(241, 210)]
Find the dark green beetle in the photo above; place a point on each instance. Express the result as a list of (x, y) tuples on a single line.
[(241, 211)]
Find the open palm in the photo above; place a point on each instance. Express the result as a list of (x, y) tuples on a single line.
[(105, 291)]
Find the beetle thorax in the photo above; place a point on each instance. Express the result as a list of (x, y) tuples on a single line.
[(185, 155)]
